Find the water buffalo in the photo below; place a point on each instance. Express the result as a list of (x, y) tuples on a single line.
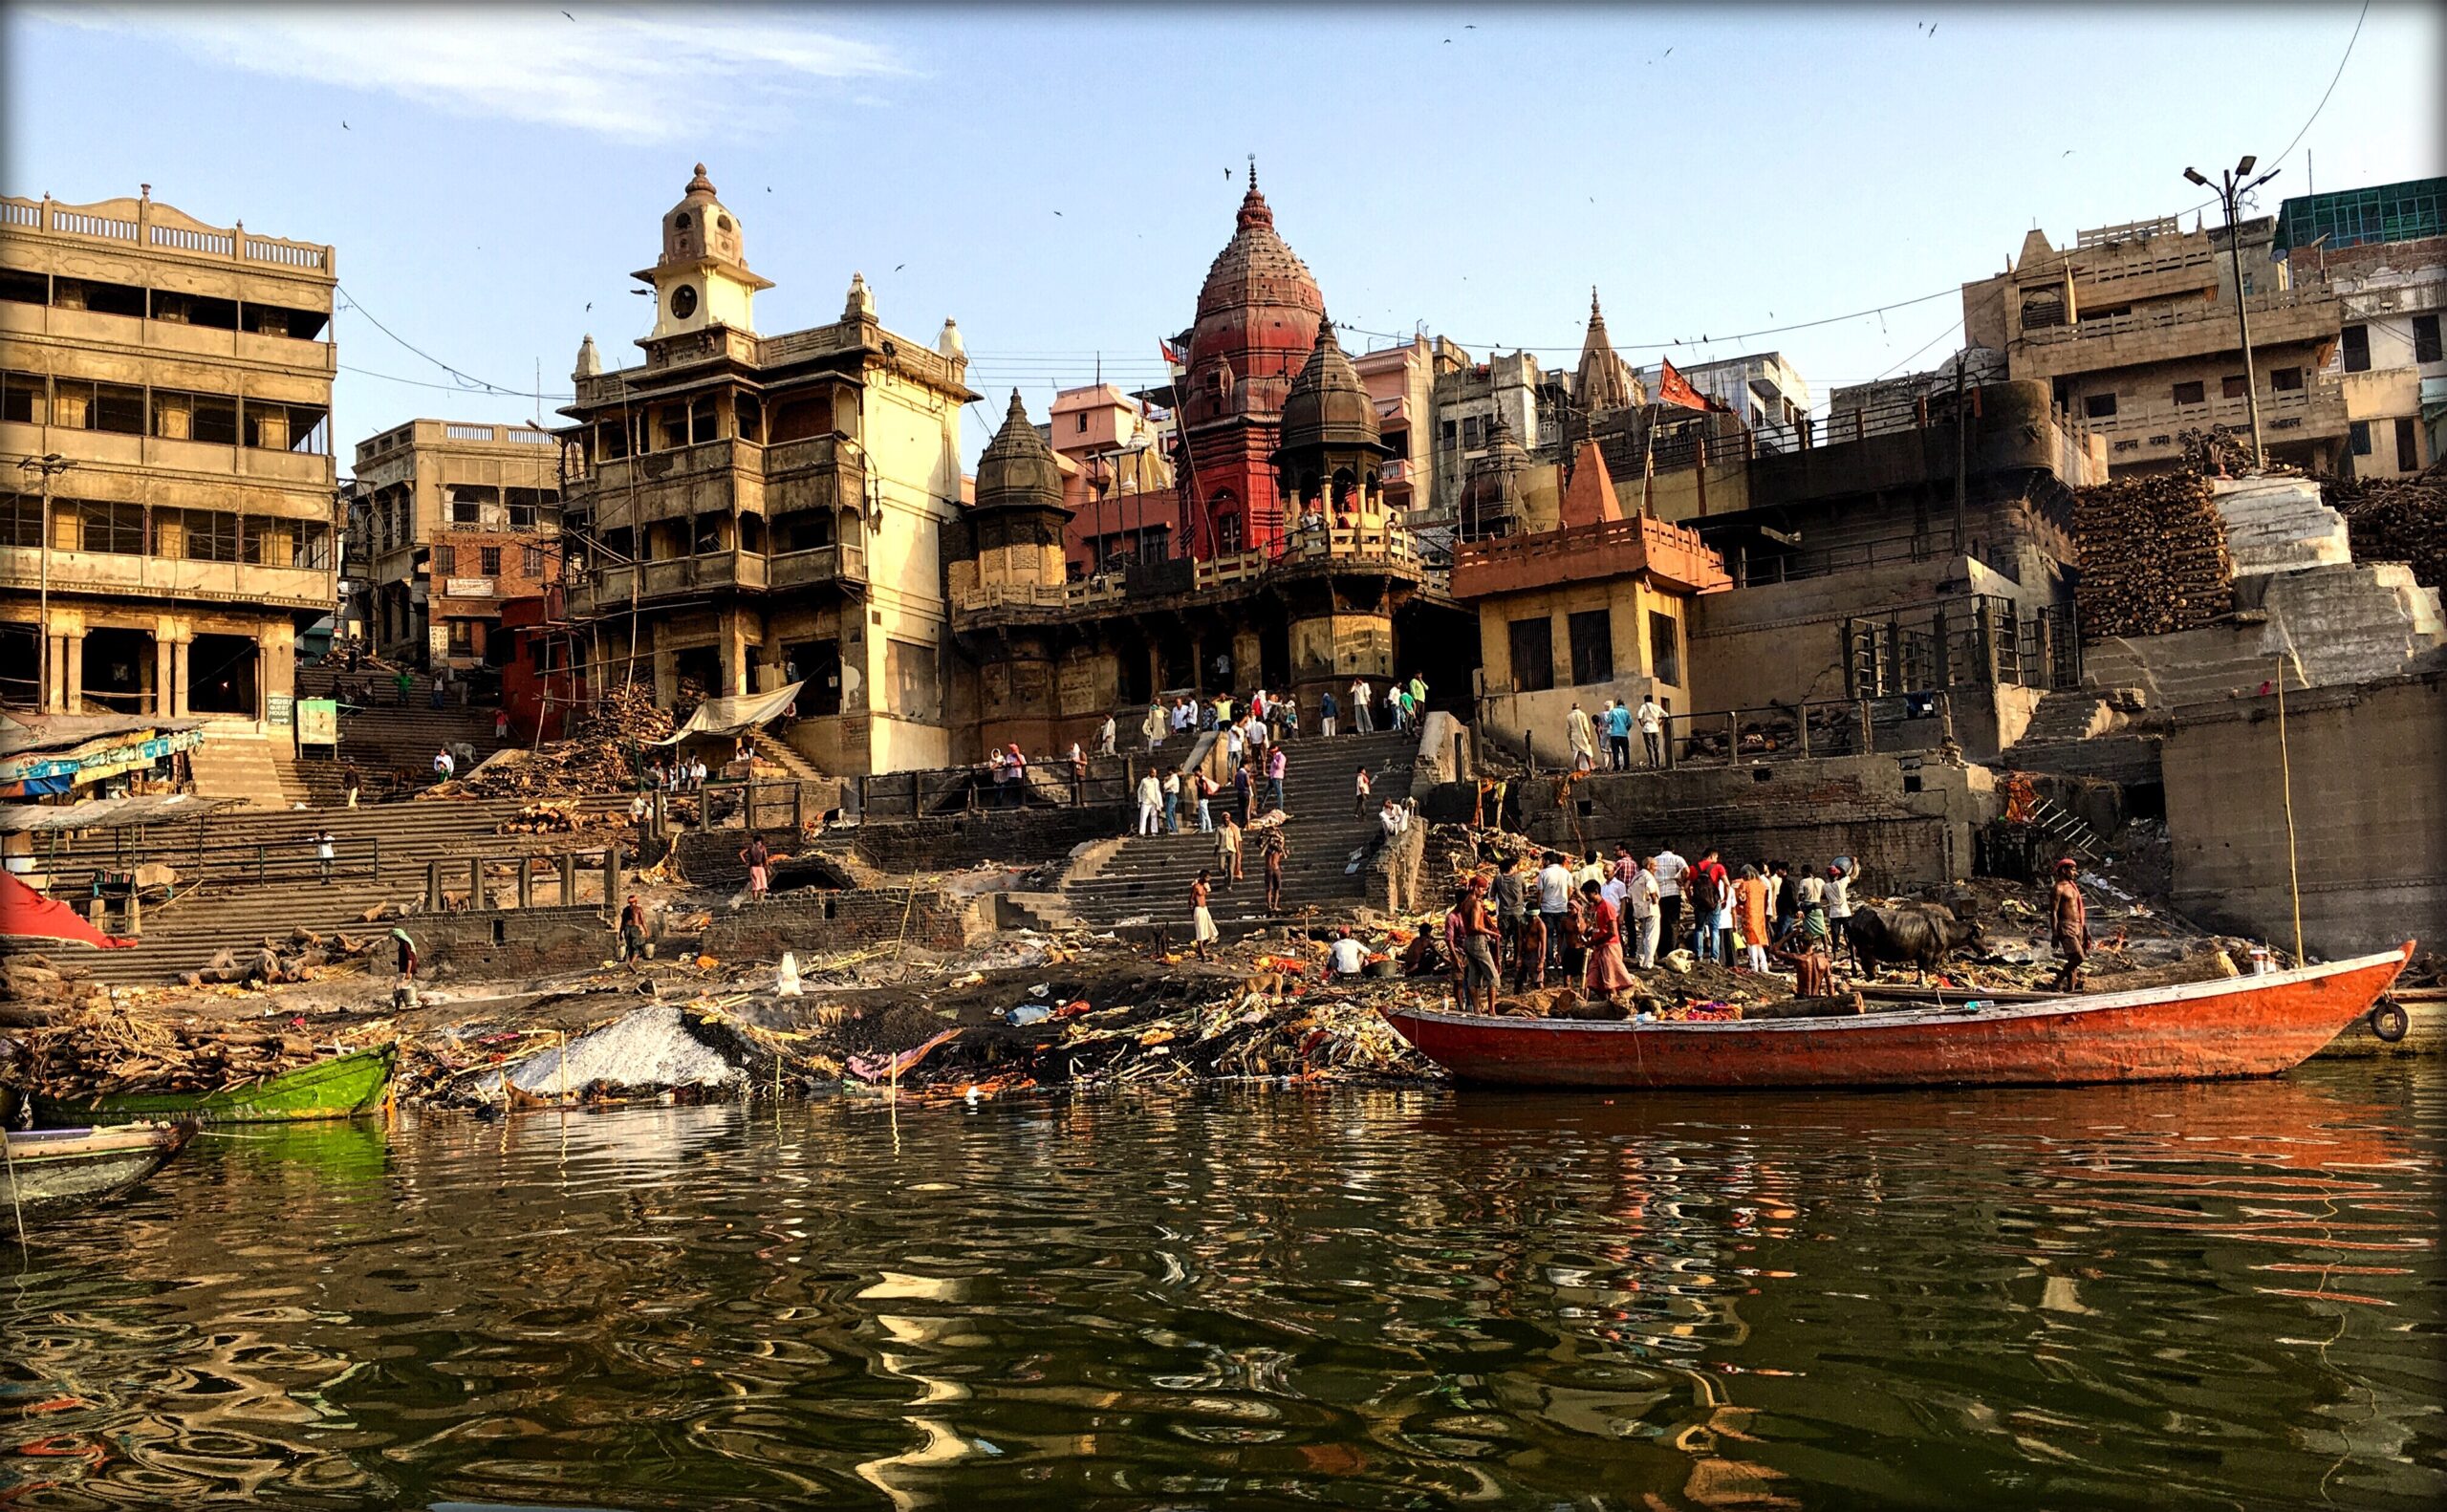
[(1920, 934)]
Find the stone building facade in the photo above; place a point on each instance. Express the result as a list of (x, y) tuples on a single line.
[(446, 521), (2134, 328), (756, 510), (178, 375)]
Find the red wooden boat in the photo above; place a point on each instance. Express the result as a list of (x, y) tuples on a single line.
[(2203, 1030)]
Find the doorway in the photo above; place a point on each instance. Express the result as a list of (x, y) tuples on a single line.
[(223, 675), (118, 669)]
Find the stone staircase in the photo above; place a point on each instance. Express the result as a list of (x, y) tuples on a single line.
[(230, 907), (1145, 879), (781, 753), (2088, 732), (236, 760)]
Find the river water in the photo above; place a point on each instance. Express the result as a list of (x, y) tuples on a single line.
[(2213, 1296)]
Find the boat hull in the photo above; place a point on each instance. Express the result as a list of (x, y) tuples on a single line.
[(340, 1087), (2239, 1026), (51, 1171)]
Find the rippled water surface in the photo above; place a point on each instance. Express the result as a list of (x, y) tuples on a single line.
[(2163, 1296)]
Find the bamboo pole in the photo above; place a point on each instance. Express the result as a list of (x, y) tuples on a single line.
[(2286, 768)]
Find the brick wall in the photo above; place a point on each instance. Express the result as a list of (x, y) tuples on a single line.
[(814, 923), (511, 942), (945, 842)]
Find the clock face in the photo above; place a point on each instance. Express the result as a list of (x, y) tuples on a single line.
[(683, 301)]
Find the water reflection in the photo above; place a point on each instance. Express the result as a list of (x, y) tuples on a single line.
[(2117, 1297)]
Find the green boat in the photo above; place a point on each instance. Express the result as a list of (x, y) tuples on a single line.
[(340, 1087)]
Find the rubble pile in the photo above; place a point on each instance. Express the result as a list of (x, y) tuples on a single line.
[(2154, 557), (2396, 520), (558, 816), (38, 990)]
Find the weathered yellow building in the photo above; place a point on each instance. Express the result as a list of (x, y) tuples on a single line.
[(168, 384), (761, 509)]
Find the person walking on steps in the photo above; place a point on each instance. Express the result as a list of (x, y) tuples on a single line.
[(1618, 736), (1276, 765), (1173, 802), (1153, 726), (350, 784), (1276, 851), (1325, 711), (1361, 784), (1363, 722), (632, 930), (1227, 848), (1651, 722), (1150, 801)]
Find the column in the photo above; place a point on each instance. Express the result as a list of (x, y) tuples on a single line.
[(73, 654), (163, 686), (179, 677)]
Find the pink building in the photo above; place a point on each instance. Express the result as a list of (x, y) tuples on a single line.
[(1115, 479)]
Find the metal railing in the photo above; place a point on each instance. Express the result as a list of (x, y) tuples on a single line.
[(258, 864)]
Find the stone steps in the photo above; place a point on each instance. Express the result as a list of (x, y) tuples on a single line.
[(231, 763)]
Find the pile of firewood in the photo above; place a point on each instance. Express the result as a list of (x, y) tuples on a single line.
[(2154, 557), (597, 758), (36, 990), (295, 956), (2396, 520), (559, 816), (109, 1050)]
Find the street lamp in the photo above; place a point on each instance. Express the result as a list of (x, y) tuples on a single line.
[(2232, 187), (50, 464)]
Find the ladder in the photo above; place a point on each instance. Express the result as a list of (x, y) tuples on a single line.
[(2060, 825)]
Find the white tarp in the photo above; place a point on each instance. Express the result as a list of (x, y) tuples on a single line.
[(731, 716)]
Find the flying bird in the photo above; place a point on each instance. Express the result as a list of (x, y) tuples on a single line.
[(1933, 28), (589, 304), (565, 15), (897, 266), (1057, 212), (343, 125)]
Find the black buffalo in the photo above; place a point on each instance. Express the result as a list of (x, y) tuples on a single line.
[(1920, 936)]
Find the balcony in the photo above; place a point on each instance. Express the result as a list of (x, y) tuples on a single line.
[(716, 572), (1610, 548), (129, 576), (2140, 433), (157, 454), (2288, 317)]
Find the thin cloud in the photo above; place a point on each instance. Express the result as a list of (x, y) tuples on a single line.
[(634, 75)]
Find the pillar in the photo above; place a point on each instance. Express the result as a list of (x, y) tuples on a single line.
[(179, 677), (569, 878), (163, 696), (433, 887), (476, 897), (612, 879), (71, 652)]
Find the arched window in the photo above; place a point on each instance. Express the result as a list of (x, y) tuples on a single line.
[(680, 221), (724, 223)]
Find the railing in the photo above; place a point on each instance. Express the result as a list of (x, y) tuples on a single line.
[(256, 864), (174, 232), (2169, 318), (973, 789), (1299, 547), (217, 243), (1975, 640), (562, 870), (2322, 399), (1801, 731)]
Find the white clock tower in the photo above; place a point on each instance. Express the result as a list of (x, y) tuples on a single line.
[(700, 279)]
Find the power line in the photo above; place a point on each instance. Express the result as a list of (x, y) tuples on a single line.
[(2332, 80), (1922, 347), (448, 388), (468, 380)]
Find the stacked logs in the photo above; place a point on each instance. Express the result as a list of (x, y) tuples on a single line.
[(2396, 520), (2154, 557), (110, 1049), (596, 757)]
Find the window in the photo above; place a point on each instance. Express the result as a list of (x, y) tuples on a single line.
[(1469, 432), (2425, 339), (530, 561), (2408, 445), (751, 413), (1227, 535), (2358, 349), (24, 399), (445, 561), (1533, 655), (2231, 386), (910, 671), (204, 535), (211, 418), (1452, 432), (2360, 433), (2099, 406), (1664, 648), (2191, 394), (1079, 422), (463, 638), (111, 527), (116, 408), (490, 557), (23, 287), (21, 520), (2285, 380), (1592, 646), (267, 540), (704, 424)]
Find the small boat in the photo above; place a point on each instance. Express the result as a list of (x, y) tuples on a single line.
[(49, 1171), (2255, 1026), (340, 1087)]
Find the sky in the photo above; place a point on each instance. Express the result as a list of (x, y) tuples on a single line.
[(1059, 179)]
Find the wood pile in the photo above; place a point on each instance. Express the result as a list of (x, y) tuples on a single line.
[(596, 757), (2154, 557), (295, 956), (2396, 520), (111, 1049), (36, 990), (559, 816)]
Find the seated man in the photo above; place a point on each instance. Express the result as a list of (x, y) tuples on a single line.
[(1347, 956)]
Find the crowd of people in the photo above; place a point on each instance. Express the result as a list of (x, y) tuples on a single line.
[(1546, 918), (1605, 738)]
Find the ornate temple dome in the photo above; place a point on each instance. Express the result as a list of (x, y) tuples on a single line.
[(1018, 469), (1328, 405)]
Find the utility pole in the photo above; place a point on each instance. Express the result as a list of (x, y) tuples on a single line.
[(2231, 189), (50, 465)]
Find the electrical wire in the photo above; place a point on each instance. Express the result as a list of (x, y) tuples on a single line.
[(1948, 293), (468, 381), (451, 388), (1916, 351)]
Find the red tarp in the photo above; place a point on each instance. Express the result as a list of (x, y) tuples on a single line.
[(26, 915)]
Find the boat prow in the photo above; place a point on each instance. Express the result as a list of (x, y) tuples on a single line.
[(340, 1087), (2255, 1026), (49, 1171)]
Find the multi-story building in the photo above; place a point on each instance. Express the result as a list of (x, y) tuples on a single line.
[(1117, 480), (1402, 381), (2384, 251), (2134, 328), (447, 520), (166, 390), (1765, 391), (756, 510)]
